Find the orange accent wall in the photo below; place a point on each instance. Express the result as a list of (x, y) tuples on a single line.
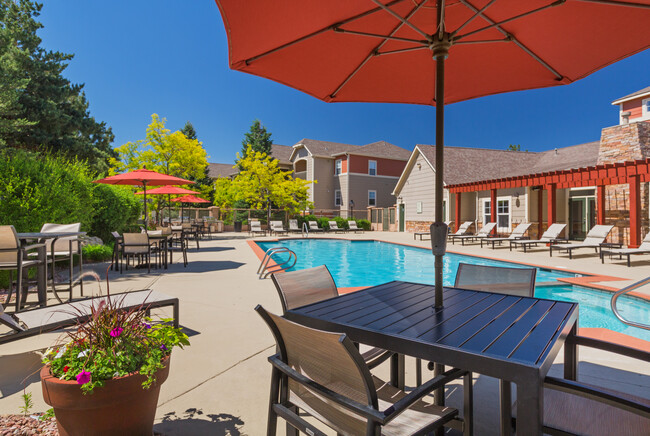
[(634, 107), (385, 167), (344, 166)]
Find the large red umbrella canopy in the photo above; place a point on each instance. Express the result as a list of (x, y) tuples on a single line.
[(143, 177), (190, 199), (381, 51), (169, 190), (400, 51)]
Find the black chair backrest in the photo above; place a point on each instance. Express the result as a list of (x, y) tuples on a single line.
[(497, 279)]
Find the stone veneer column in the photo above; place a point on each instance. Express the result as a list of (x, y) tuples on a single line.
[(618, 144)]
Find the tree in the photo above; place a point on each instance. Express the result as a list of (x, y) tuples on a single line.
[(164, 152), (514, 147), (203, 184), (188, 131), (258, 138), (50, 112), (262, 184)]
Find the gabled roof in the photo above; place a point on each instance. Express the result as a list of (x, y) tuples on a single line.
[(216, 170), (634, 95), (380, 149), (322, 148), (282, 153), (467, 165)]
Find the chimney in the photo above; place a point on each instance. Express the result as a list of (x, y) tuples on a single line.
[(625, 117)]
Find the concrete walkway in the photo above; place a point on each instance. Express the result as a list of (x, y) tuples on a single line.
[(219, 385)]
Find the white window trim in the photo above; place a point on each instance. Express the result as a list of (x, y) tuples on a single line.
[(338, 167), (369, 191), (486, 219), (645, 113), (340, 198), (375, 162)]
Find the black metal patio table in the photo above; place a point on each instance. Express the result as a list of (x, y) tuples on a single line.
[(515, 339)]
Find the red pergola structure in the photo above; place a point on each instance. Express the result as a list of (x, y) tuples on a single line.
[(628, 172)]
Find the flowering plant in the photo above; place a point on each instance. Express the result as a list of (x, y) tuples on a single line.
[(113, 343)]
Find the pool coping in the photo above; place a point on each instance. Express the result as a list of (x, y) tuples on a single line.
[(586, 281)]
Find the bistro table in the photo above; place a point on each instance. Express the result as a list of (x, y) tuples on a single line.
[(515, 339), (42, 269)]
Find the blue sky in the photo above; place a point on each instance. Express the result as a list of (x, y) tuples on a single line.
[(170, 57)]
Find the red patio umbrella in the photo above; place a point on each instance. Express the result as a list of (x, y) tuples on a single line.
[(143, 177), (188, 199), (395, 50), (169, 190)]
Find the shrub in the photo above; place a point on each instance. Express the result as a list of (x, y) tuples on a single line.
[(323, 223), (363, 224), (342, 223), (116, 210), (97, 253)]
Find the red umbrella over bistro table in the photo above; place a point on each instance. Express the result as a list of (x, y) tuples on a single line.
[(169, 190), (143, 177), (188, 199), (399, 51)]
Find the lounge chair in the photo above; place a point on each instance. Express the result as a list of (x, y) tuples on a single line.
[(550, 236), (353, 227), (517, 233), (306, 286), (595, 237), (644, 248), (575, 407), (278, 228), (485, 232), (335, 228), (323, 375), (36, 321), (462, 230), (255, 228), (293, 226), (313, 226)]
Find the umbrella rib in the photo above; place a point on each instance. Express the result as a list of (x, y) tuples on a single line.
[(516, 41), (484, 41), (402, 19), (385, 37), (402, 50), (477, 14), (516, 17), (375, 51), (615, 3), (318, 32)]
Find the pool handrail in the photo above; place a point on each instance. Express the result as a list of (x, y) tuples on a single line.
[(625, 290), (305, 230), (265, 269)]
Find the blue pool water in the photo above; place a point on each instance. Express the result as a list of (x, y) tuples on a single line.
[(369, 263)]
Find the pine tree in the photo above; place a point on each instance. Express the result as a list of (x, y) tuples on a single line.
[(258, 138), (188, 131)]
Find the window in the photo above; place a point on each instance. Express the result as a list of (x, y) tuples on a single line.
[(646, 106), (372, 167), (372, 198), (487, 212), (503, 215), (337, 167), (337, 198)]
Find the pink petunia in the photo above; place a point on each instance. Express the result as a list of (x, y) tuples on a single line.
[(116, 331), (83, 377)]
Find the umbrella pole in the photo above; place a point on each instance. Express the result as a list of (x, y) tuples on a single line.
[(146, 223), (169, 210)]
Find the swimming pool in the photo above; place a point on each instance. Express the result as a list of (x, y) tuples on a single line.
[(370, 263)]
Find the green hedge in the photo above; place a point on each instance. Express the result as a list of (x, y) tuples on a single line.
[(37, 188)]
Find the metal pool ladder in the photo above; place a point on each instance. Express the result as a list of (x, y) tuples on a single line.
[(305, 230), (625, 290), (265, 269)]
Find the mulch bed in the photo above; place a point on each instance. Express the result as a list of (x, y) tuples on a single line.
[(26, 425)]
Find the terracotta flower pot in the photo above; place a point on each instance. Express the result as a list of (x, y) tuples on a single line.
[(121, 407)]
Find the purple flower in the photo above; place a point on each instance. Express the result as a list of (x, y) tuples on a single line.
[(162, 347), (116, 331), (83, 377), (147, 326)]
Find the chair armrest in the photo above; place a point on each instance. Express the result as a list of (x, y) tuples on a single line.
[(595, 394), (32, 246), (610, 347), (421, 391), (361, 409)]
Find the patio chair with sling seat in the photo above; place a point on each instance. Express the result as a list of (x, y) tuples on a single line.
[(595, 237), (644, 248), (550, 236), (352, 225), (335, 228), (255, 228), (36, 321), (323, 374), (518, 233), (136, 245), (14, 257), (462, 230), (277, 228), (313, 226), (293, 226), (484, 233)]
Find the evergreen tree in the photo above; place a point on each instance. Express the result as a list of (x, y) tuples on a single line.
[(40, 108), (258, 138), (188, 131)]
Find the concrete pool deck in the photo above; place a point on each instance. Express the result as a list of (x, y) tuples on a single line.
[(219, 385)]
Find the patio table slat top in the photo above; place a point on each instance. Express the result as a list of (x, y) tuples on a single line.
[(497, 326)]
